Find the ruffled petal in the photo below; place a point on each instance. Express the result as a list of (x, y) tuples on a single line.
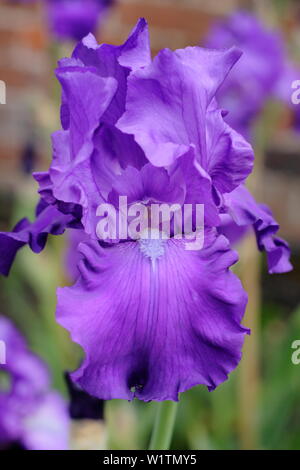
[(233, 232), (113, 152), (90, 151), (88, 95), (230, 156), (157, 319), (133, 54), (199, 188), (85, 183), (167, 102), (115, 61), (150, 184), (245, 211), (45, 186), (73, 256), (35, 234)]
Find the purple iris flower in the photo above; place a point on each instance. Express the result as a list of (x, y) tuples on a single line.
[(263, 72), (118, 152), (153, 317), (74, 19), (31, 415)]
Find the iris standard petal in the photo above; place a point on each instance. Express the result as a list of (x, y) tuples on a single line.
[(167, 102), (88, 95), (116, 62), (230, 156)]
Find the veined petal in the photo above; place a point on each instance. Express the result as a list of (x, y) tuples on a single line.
[(87, 182), (116, 62), (149, 184), (87, 95), (133, 54), (157, 319), (199, 189), (167, 102), (90, 151), (230, 156), (233, 232), (73, 256)]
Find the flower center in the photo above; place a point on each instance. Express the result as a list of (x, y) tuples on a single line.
[(152, 245)]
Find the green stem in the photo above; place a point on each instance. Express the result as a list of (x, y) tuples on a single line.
[(163, 426)]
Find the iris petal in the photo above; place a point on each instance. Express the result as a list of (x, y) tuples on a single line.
[(153, 330), (246, 212), (35, 234), (174, 91)]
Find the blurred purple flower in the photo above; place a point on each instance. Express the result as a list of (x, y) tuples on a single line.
[(32, 416), (263, 72), (74, 19), (153, 318)]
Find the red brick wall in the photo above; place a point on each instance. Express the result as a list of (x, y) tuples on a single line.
[(173, 23), (24, 67)]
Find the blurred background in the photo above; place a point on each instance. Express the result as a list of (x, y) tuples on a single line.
[(259, 406)]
